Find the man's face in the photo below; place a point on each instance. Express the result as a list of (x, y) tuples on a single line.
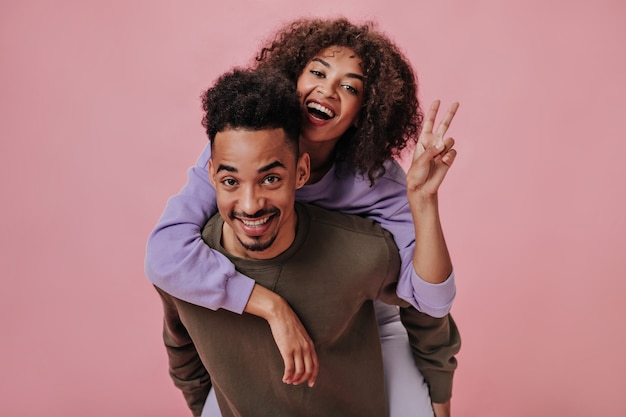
[(255, 175)]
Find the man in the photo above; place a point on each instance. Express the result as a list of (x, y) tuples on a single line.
[(327, 266)]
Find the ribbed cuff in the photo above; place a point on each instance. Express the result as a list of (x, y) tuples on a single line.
[(237, 292)]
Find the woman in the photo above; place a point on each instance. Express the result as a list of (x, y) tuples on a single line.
[(360, 109)]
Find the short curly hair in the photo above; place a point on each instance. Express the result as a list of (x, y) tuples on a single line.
[(252, 100), (390, 117)]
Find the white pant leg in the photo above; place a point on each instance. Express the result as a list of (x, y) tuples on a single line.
[(211, 409), (407, 391)]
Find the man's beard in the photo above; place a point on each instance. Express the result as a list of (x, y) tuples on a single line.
[(257, 245)]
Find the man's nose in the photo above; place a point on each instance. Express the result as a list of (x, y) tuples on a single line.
[(251, 201)]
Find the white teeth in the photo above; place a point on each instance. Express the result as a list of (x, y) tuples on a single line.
[(255, 223), (321, 108)]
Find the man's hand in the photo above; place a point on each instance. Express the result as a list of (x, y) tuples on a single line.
[(442, 409), (292, 339), (433, 155)]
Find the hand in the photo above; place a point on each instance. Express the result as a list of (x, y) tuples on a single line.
[(295, 346), (292, 339), (442, 409), (433, 155)]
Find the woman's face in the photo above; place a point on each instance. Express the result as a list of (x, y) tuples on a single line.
[(331, 93)]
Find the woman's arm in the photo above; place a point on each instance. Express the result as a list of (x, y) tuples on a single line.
[(433, 156), (177, 259), (386, 202), (293, 341)]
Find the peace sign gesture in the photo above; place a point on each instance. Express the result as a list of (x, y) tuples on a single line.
[(433, 155)]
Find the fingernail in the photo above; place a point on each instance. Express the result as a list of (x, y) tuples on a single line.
[(439, 145)]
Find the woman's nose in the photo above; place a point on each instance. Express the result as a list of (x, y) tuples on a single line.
[(326, 89)]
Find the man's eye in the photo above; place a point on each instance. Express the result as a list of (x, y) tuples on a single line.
[(271, 179), (229, 182)]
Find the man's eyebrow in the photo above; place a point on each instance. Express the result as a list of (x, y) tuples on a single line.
[(229, 168), (349, 75), (271, 166)]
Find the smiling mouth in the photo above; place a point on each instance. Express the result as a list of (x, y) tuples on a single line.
[(256, 228), (255, 223), (319, 112)]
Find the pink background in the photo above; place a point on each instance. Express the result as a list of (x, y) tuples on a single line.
[(100, 118)]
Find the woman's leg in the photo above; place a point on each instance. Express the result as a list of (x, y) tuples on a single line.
[(211, 409), (407, 391)]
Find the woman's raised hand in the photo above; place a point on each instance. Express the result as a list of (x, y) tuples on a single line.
[(433, 156)]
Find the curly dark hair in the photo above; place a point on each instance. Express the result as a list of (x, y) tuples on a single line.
[(253, 100), (390, 117)]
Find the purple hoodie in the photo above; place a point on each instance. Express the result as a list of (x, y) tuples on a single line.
[(179, 262)]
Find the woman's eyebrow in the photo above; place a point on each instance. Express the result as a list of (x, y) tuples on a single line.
[(349, 75)]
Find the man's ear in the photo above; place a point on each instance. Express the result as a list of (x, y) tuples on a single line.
[(303, 170), (211, 172)]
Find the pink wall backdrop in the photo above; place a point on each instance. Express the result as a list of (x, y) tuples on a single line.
[(100, 119)]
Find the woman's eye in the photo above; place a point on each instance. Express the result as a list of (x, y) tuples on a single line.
[(317, 73), (351, 89)]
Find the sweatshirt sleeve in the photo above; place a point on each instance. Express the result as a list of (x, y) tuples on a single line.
[(185, 367), (177, 259), (434, 343)]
